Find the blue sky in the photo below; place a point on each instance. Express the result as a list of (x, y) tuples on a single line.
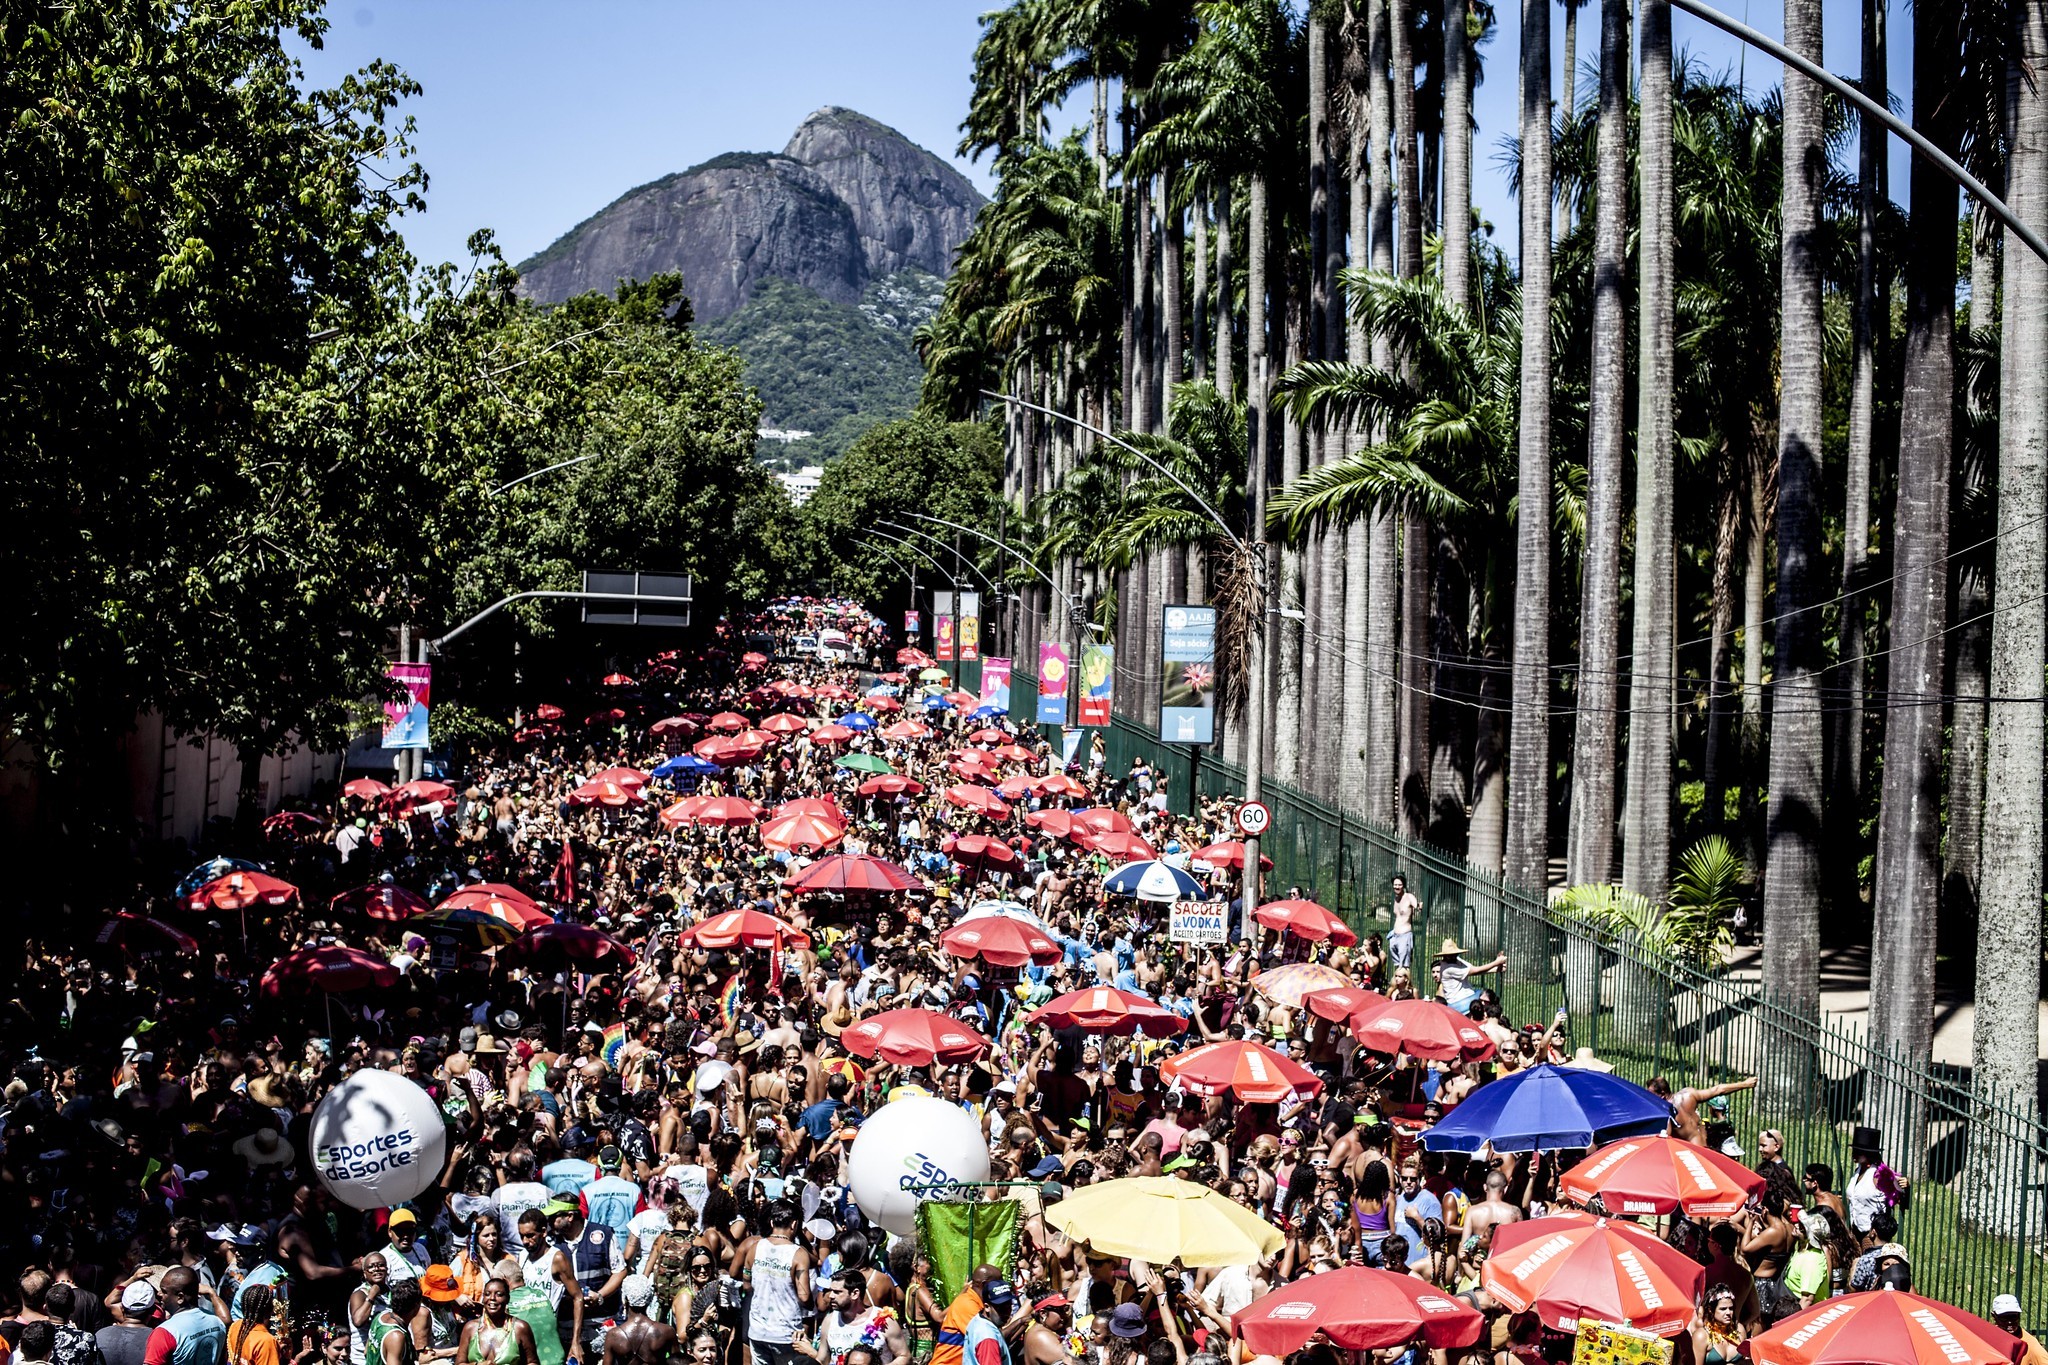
[(537, 113)]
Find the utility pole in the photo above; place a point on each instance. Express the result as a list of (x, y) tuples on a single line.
[(1252, 883)]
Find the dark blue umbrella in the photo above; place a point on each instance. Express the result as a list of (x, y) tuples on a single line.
[(937, 703), (857, 720), (1550, 1108), (684, 765), (985, 712), (213, 870)]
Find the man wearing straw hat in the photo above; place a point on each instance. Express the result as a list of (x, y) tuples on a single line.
[(1453, 975)]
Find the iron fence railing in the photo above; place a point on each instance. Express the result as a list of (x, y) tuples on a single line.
[(1973, 1221)]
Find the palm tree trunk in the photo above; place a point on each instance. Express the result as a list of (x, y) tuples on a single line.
[(1569, 104), (1286, 689), (1407, 175), (2006, 1031), (1794, 887), (1198, 321), (1646, 833), (1457, 231), (1908, 881), (1354, 740), (1320, 558), (1384, 671), (1754, 751), (1721, 631), (1171, 288), (1590, 840), (1962, 862), (1528, 833), (1226, 367)]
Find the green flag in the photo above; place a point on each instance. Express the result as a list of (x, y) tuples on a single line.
[(958, 1237)]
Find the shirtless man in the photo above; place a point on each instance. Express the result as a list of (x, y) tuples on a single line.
[(639, 1340), (1685, 1122), (1045, 1337), (1401, 937), (1494, 1211)]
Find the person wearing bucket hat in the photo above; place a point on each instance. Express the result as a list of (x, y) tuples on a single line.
[(1454, 974)]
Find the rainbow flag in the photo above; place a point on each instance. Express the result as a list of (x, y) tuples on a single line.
[(730, 998), (614, 1045)]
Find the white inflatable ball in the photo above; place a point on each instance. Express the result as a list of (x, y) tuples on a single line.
[(907, 1151), (378, 1140)]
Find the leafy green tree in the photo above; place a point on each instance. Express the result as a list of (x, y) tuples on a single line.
[(921, 464)]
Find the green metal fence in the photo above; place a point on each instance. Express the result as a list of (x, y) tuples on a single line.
[(1974, 1219)]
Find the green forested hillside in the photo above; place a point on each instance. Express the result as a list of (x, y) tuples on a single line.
[(827, 368)]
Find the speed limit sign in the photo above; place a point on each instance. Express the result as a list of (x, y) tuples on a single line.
[(1254, 818)]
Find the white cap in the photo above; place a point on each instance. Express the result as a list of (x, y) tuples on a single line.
[(140, 1297), (2004, 1304), (637, 1290)]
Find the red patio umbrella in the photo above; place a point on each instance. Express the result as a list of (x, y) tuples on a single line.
[(1229, 853), (240, 890), (548, 711), (604, 794), (962, 701), (1885, 1327), (1104, 1009), (727, 811), (1124, 848), (913, 658), (330, 969), (1059, 784), (907, 729), (605, 715), (894, 677), (726, 753), (883, 706), (821, 806), (802, 830), (1058, 823), (1000, 941), (1014, 788), (684, 812), (730, 721), (486, 898), (987, 734), (1305, 919), (286, 823), (365, 789), (1569, 1266), (1421, 1028), (783, 723), (1014, 753), (746, 929), (829, 734), (973, 771), (406, 795), (141, 936), (385, 901), (914, 1037), (1253, 1072), (617, 680), (978, 799), (891, 784), (757, 739), (1339, 1003), (1359, 1308), (982, 852), (1659, 1174), (832, 692), (1104, 820), (625, 777), (753, 660), (852, 872), (561, 945), (674, 725)]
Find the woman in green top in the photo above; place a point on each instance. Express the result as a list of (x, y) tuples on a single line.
[(532, 1306), (1809, 1272), (496, 1337)]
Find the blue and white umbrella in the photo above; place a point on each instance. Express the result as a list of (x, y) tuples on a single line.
[(1152, 881), (684, 765), (935, 702), (986, 713), (884, 690), (213, 870), (857, 720)]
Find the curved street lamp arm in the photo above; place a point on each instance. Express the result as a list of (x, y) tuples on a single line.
[(994, 588), (564, 464), (1022, 558), (435, 645)]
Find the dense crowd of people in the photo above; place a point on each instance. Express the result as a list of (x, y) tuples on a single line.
[(648, 1149)]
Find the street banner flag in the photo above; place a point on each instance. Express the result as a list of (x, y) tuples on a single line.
[(1052, 684), (1187, 694), (995, 683), (969, 629), (1098, 683), (910, 623), (405, 726), (942, 635)]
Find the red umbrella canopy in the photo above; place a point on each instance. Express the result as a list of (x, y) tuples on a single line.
[(286, 823), (1124, 848), (1421, 1028), (386, 901), (1104, 820), (914, 1037), (1359, 1309), (240, 890), (488, 899), (746, 929), (617, 680), (1885, 1327), (882, 706), (982, 850), (730, 721), (894, 677), (987, 734), (726, 753), (832, 692), (1339, 1003), (604, 794), (330, 968), (1059, 784), (548, 711), (759, 739), (978, 799), (604, 716), (1014, 788), (144, 937), (973, 771), (1570, 1266), (1001, 941), (728, 810), (913, 658), (561, 945), (1659, 1174), (821, 806), (1253, 1072), (1058, 823), (674, 725), (891, 784), (684, 812), (831, 734), (907, 729), (625, 777), (962, 701), (1014, 753), (365, 789), (783, 723), (1229, 853), (802, 830), (851, 872), (406, 795), (753, 660), (1104, 1009), (1305, 919)]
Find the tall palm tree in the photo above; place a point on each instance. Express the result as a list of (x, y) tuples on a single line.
[(1590, 846), (1457, 219), (1386, 667), (1793, 889), (2003, 1037), (1527, 849), (1646, 839), (1908, 881)]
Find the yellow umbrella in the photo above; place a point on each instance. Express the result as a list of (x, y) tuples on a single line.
[(1159, 1219)]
